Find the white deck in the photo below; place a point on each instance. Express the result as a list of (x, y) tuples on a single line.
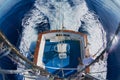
[(52, 37)]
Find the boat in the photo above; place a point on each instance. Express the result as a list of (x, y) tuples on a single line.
[(60, 52), (59, 55)]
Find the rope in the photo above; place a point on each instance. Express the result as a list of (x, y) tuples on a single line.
[(17, 61), (13, 71), (16, 52)]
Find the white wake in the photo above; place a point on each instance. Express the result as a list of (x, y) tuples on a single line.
[(62, 13)]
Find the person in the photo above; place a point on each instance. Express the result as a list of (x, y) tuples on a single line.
[(79, 68), (88, 60)]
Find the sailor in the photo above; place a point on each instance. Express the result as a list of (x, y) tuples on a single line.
[(79, 68), (80, 65), (87, 60)]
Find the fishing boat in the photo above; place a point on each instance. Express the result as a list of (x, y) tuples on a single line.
[(60, 52)]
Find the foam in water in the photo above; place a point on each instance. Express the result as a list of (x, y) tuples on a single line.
[(62, 13)]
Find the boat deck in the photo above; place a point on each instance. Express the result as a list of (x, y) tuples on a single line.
[(54, 64)]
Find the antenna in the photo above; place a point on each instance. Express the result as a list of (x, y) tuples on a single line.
[(61, 17), (63, 22)]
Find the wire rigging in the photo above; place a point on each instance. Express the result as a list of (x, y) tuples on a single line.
[(16, 52)]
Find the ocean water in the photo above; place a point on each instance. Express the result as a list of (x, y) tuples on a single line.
[(108, 11), (100, 17)]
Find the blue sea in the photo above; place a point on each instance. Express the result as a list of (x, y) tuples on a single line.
[(13, 11)]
